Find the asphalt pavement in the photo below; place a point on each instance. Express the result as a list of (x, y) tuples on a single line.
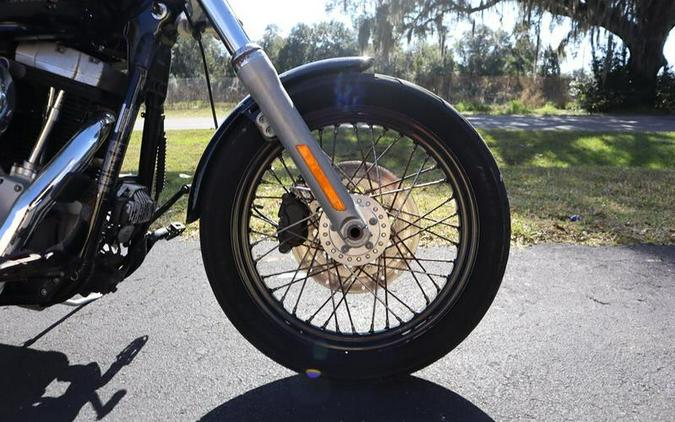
[(576, 333), (595, 123)]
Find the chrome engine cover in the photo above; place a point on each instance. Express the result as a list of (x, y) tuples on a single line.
[(71, 64)]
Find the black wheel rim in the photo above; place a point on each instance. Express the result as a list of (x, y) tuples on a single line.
[(429, 279)]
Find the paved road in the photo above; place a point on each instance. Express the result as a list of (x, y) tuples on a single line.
[(579, 123), (576, 333)]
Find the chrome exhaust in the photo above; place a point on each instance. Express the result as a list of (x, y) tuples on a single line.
[(36, 200)]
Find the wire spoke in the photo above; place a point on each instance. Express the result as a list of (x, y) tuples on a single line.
[(304, 283), (412, 273), (418, 263), (373, 293), (295, 274), (405, 173), (428, 231), (378, 158), (326, 268), (443, 261), (410, 189), (403, 179)]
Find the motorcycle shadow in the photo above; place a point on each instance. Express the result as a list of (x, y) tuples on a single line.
[(301, 399), (27, 373)]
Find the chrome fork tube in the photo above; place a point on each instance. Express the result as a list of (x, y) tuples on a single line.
[(262, 81)]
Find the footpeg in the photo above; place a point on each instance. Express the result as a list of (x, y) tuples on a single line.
[(169, 232)]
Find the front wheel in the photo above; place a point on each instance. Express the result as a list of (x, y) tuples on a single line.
[(439, 216)]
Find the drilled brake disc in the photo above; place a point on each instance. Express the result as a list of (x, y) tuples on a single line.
[(368, 268)]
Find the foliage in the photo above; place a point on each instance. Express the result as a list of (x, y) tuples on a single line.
[(642, 25), (515, 107), (550, 65), (272, 42), (610, 85), (483, 52), (486, 66), (187, 61), (665, 91), (310, 43)]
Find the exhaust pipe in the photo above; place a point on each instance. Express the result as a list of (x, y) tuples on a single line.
[(37, 199)]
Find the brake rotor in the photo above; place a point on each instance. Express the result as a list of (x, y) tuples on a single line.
[(369, 268)]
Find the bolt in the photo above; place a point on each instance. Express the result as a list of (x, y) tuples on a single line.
[(373, 221), (17, 188), (43, 292), (369, 245), (345, 249)]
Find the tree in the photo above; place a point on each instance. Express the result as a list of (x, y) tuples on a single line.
[(642, 25), (523, 57), (186, 59), (550, 65), (272, 42), (321, 41), (483, 52)]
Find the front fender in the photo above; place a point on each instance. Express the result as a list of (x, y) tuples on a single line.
[(247, 109)]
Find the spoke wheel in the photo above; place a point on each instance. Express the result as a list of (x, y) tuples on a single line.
[(429, 190), (395, 289)]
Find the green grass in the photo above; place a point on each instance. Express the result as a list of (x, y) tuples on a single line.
[(621, 184), (202, 109), (197, 109), (514, 107)]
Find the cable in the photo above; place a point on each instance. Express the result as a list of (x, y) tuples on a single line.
[(196, 34), (208, 83)]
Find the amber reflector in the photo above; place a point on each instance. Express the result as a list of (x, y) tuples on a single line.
[(320, 177)]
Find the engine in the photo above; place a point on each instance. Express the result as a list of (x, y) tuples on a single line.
[(48, 92)]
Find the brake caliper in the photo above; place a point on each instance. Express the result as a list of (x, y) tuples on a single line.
[(293, 223)]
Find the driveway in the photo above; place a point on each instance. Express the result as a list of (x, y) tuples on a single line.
[(604, 123), (576, 333)]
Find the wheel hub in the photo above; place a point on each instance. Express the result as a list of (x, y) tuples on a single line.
[(380, 231)]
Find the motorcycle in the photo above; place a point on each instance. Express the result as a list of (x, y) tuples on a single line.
[(352, 224)]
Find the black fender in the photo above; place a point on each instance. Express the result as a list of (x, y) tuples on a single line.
[(248, 110)]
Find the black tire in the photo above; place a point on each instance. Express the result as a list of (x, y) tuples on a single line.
[(300, 351)]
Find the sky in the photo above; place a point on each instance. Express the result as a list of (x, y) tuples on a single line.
[(257, 14)]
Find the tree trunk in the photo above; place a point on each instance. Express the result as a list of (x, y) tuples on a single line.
[(645, 62)]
